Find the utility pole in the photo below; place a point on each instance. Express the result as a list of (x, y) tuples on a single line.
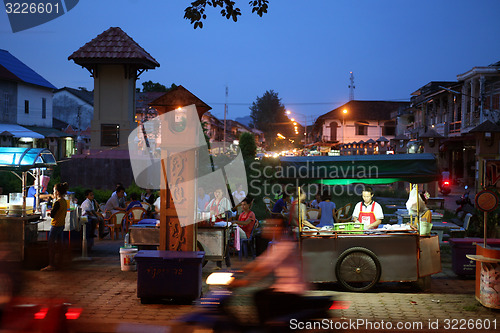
[(225, 113), (351, 87)]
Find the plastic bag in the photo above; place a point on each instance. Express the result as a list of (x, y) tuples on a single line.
[(411, 204)]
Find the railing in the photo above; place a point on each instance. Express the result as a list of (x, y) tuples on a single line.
[(455, 127)]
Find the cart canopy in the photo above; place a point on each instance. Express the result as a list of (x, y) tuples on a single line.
[(366, 169), (24, 159)]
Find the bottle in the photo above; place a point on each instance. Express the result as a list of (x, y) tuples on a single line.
[(127, 239)]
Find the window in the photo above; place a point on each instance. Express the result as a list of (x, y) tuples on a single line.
[(389, 128), (361, 128), (44, 108), (26, 106), (110, 135), (495, 105)]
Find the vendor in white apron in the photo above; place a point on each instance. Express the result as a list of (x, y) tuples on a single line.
[(368, 211)]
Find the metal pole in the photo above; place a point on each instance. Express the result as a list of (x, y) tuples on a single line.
[(305, 131)]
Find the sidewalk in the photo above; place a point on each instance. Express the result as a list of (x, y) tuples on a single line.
[(109, 300)]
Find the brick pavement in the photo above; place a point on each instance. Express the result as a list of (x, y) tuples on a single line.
[(108, 297)]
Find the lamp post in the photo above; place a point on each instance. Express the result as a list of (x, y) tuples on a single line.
[(344, 112), (288, 112)]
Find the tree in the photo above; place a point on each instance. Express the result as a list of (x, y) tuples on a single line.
[(150, 86), (196, 12), (248, 146), (268, 115)]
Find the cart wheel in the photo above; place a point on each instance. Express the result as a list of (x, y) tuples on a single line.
[(199, 247), (358, 269)]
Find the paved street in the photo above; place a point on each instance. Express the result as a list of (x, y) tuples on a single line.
[(109, 301)]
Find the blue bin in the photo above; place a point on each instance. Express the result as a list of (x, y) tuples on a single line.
[(169, 275)]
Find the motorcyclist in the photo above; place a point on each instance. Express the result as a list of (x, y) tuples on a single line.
[(284, 299)]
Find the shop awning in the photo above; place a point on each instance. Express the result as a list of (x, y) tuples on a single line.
[(48, 132), (18, 131), (23, 159), (366, 169)]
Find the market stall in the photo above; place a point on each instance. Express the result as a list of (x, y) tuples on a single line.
[(360, 259), (18, 218)]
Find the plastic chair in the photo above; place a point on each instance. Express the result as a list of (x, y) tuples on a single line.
[(145, 205), (343, 213), (134, 215), (114, 223), (245, 244), (312, 213)]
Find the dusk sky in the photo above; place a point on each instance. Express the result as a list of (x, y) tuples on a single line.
[(303, 50)]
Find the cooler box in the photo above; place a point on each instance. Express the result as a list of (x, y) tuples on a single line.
[(460, 247), (169, 274)]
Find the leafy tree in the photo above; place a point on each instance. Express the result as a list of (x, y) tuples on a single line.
[(268, 115), (150, 86), (196, 12), (248, 146)]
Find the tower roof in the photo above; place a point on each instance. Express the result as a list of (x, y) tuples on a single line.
[(113, 46)]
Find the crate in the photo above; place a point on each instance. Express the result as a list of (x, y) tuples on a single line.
[(341, 226), (169, 275), (353, 227)]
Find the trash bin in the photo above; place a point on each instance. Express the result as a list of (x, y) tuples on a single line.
[(169, 275), (460, 247)]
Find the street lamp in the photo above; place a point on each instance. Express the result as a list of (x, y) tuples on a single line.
[(344, 112), (288, 112)]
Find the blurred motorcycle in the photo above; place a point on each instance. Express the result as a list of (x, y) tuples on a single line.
[(445, 187)]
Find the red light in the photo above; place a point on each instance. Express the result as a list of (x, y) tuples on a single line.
[(340, 305), (41, 314), (447, 183), (73, 313)]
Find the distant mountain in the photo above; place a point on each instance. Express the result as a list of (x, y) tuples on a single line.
[(244, 120)]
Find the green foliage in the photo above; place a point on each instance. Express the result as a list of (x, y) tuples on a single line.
[(9, 183), (150, 86), (196, 12), (247, 146), (268, 115)]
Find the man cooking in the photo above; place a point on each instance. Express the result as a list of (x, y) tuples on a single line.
[(368, 211)]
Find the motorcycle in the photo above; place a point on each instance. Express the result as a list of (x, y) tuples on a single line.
[(215, 313), (464, 203), (445, 187)]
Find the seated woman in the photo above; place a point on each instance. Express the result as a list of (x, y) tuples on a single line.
[(246, 220), (327, 213)]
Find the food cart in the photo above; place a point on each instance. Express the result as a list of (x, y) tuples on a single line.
[(358, 260), (18, 222)]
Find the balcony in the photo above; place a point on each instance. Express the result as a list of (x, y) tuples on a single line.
[(455, 128)]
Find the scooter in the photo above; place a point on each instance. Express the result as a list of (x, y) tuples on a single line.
[(445, 187), (214, 311), (464, 203)]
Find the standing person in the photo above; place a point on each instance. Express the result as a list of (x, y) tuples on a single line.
[(327, 212), (246, 220), (58, 215), (298, 212), (368, 211)]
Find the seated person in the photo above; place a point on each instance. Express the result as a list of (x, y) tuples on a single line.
[(89, 209), (113, 204), (246, 220), (299, 206), (134, 203), (121, 200), (368, 211), (315, 203), (281, 205), (156, 208), (203, 199), (148, 196), (327, 213), (219, 205)]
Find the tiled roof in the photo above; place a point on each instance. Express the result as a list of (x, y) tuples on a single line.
[(364, 110), (14, 69), (143, 99), (113, 46), (430, 134), (486, 126), (84, 95), (179, 96)]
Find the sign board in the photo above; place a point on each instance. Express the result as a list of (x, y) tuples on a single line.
[(492, 173), (486, 201)]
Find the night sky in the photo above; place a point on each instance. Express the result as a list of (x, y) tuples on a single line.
[(304, 50)]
